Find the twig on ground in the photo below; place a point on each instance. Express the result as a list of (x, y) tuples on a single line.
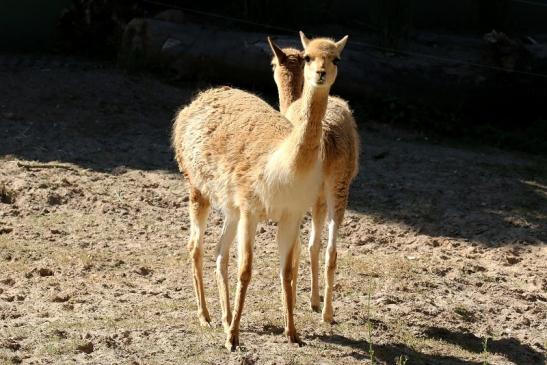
[(43, 166)]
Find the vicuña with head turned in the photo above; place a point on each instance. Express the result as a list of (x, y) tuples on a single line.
[(243, 157), (339, 154)]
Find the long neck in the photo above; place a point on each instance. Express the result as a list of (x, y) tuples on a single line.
[(305, 139), (289, 90)]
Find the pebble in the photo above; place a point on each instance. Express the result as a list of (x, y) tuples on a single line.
[(144, 271), (54, 199), (45, 272), (60, 298), (86, 347), (8, 281)]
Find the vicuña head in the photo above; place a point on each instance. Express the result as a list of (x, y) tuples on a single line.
[(287, 67), (321, 55)]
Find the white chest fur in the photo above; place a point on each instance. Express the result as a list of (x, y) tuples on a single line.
[(285, 191)]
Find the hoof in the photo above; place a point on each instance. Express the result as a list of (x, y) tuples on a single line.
[(328, 317), (205, 321), (315, 308), (295, 340), (232, 342)]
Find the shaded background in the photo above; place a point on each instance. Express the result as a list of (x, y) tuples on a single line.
[(424, 65)]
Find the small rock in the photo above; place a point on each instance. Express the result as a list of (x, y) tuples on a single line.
[(5, 230), (86, 347), (60, 298), (45, 272), (531, 297), (144, 271), (262, 230), (110, 342), (11, 344), (8, 281), (60, 333), (118, 263), (54, 199), (512, 260), (119, 170), (472, 268)]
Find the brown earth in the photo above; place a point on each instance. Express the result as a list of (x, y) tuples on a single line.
[(442, 246)]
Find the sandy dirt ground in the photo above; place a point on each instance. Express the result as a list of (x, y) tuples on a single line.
[(442, 247)]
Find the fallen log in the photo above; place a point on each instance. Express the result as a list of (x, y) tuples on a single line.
[(448, 72)]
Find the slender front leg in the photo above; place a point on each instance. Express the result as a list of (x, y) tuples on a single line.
[(199, 211), (246, 230), (286, 237), (336, 201), (295, 267), (330, 268), (222, 257), (319, 212)]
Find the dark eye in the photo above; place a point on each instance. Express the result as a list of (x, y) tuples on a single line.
[(307, 58), (335, 61)]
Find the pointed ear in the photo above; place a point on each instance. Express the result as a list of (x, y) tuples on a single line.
[(278, 52), (305, 41), (341, 44), (301, 57)]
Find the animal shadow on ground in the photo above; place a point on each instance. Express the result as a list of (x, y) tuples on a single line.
[(486, 196), (388, 353), (511, 348)]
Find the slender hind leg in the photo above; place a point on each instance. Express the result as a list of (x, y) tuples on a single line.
[(246, 230), (286, 239), (199, 211), (319, 212), (336, 201), (295, 267), (222, 257)]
